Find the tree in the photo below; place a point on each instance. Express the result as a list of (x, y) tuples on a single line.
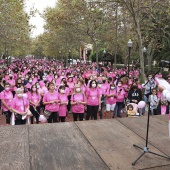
[(14, 27)]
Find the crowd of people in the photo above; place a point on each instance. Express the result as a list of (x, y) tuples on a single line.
[(30, 88)]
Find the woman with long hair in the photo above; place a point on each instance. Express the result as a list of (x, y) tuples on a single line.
[(34, 98), (6, 98), (80, 81), (135, 94)]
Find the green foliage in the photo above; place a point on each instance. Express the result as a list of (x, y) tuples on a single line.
[(14, 28), (75, 21)]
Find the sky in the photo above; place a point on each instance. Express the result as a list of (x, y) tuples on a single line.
[(40, 5)]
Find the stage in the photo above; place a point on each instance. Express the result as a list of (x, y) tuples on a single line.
[(88, 145)]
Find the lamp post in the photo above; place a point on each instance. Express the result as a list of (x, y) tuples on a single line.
[(144, 50), (104, 52), (69, 56), (59, 57), (130, 43)]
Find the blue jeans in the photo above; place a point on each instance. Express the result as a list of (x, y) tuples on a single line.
[(118, 108)]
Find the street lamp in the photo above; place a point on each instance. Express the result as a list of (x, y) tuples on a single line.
[(59, 55), (69, 56), (130, 43), (144, 52), (104, 52)]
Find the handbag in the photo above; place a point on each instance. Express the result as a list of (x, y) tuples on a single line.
[(47, 113), (18, 116)]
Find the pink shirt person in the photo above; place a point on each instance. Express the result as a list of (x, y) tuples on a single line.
[(78, 97), (111, 100), (92, 96), (53, 107), (34, 97), (120, 94), (20, 104), (7, 96), (62, 107)]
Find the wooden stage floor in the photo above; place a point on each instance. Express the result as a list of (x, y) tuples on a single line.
[(88, 145)]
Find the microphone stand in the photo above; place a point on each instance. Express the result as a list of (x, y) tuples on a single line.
[(146, 149)]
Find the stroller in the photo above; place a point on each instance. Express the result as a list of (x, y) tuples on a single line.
[(132, 109)]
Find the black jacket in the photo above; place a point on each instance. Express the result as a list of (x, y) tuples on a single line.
[(135, 95)]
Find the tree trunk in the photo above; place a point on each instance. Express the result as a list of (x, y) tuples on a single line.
[(150, 58), (140, 51), (97, 54)]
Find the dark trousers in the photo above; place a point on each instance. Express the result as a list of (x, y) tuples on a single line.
[(155, 112), (20, 122), (118, 108), (69, 103), (92, 112), (35, 114), (53, 118), (76, 115), (8, 116), (62, 119)]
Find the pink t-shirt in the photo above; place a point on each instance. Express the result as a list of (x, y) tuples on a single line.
[(92, 96), (58, 81), (83, 88), (20, 104), (11, 82), (78, 108), (34, 97), (111, 100), (87, 75), (34, 80), (62, 108), (105, 86), (28, 85), (51, 97), (140, 86), (67, 91), (42, 84), (7, 97), (71, 87), (101, 91), (125, 86), (50, 78), (159, 94), (44, 90), (120, 94)]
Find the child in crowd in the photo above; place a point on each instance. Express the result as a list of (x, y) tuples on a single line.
[(130, 111), (154, 102), (110, 100)]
